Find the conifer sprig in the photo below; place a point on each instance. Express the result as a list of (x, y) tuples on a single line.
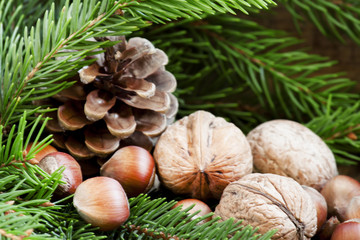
[(52, 51), (157, 219), (335, 18), (340, 129), (245, 69), (24, 201), (35, 69)]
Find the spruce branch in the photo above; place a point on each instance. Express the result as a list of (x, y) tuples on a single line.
[(18, 14), (156, 219), (160, 11), (340, 129), (335, 18), (35, 69), (20, 217), (26, 191), (249, 71)]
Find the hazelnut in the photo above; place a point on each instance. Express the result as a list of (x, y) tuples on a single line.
[(102, 202), (353, 210), (327, 229), (72, 175), (348, 230), (45, 150), (338, 193), (320, 205), (201, 154), (199, 208), (290, 149), (133, 167), (270, 201)]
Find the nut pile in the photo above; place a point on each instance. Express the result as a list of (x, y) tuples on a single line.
[(280, 176)]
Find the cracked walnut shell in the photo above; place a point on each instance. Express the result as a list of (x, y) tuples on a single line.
[(201, 154), (270, 201), (290, 149)]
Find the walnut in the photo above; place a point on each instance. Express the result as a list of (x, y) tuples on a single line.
[(290, 149), (201, 154), (270, 201)]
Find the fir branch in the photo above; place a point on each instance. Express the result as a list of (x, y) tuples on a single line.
[(340, 129), (26, 191), (34, 70), (336, 18), (156, 219), (160, 11), (12, 147), (17, 14), (19, 217), (245, 69), (74, 228)]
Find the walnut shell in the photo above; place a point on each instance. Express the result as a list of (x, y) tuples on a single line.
[(201, 154), (270, 201), (290, 149)]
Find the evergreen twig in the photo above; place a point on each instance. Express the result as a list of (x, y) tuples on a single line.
[(246, 67), (340, 129), (335, 18), (157, 219), (38, 59)]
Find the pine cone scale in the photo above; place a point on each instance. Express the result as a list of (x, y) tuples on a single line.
[(75, 92), (77, 147), (121, 125), (100, 141), (149, 122), (160, 102), (164, 81), (71, 118), (148, 64), (98, 104), (141, 87), (88, 74)]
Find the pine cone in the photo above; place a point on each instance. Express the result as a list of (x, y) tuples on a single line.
[(124, 98)]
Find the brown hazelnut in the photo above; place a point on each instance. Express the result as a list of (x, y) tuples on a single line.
[(133, 167), (201, 154), (327, 229), (338, 193), (320, 205), (102, 202), (353, 210), (39, 155), (72, 175), (197, 206), (270, 201), (290, 149), (348, 230)]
